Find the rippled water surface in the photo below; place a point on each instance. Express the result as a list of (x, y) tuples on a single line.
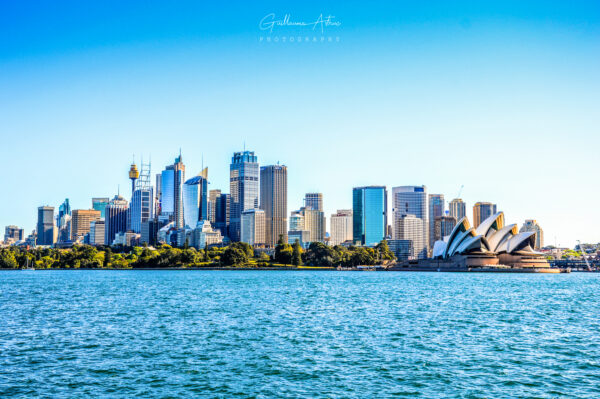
[(298, 334)]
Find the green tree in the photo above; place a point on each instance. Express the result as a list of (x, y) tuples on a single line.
[(234, 256), (297, 254), (283, 252), (107, 257), (383, 251)]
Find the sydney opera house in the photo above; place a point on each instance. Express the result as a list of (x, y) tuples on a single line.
[(491, 245)]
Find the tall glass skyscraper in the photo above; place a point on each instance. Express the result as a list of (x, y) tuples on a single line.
[(243, 185), (195, 200), (171, 191), (115, 218), (436, 209), (314, 201), (99, 204), (412, 200), (45, 226), (273, 200), (142, 208), (369, 219), (222, 214)]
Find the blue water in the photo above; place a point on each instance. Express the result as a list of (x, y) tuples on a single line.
[(298, 334)]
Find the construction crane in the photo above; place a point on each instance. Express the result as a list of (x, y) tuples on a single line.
[(589, 268), (460, 190)]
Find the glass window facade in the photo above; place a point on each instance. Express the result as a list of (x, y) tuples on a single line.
[(369, 214)]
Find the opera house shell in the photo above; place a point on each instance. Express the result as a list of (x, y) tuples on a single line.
[(491, 244)]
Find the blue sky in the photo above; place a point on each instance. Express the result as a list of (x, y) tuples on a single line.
[(503, 98)]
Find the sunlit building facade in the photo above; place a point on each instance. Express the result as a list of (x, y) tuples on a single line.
[(195, 200), (340, 225), (412, 200), (533, 225), (273, 200), (482, 211), (436, 209), (243, 189), (369, 214), (457, 208)]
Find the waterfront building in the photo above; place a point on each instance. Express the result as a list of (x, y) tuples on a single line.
[(412, 200), (204, 235), (273, 200), (46, 229), (482, 211), (436, 209), (253, 227), (126, 238), (409, 227), (303, 237), (99, 204), (458, 208), (115, 218), (369, 214), (402, 249), (171, 192), (314, 201), (297, 220), (212, 205), (80, 222), (243, 188), (341, 227), (97, 232), (533, 225), (195, 199), (13, 234), (443, 227)]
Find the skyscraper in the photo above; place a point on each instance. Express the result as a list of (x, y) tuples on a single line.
[(80, 223), (195, 199), (212, 205), (142, 207), (532, 225), (369, 220), (45, 226), (63, 221), (243, 188), (443, 226), (171, 190), (13, 234), (252, 224), (273, 200), (314, 223), (482, 211), (115, 218), (222, 214), (408, 227), (436, 209), (341, 227), (412, 200), (99, 204), (314, 201), (97, 232), (458, 208)]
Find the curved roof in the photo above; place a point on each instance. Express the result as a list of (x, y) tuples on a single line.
[(439, 247), (477, 243), (501, 236), (496, 221), (461, 226), (521, 241), (459, 239), (194, 180)]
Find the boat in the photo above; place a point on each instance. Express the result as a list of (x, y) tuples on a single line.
[(28, 266)]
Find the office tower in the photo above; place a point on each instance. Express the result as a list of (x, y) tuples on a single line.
[(63, 210), (273, 200), (195, 199), (212, 205), (482, 211), (158, 195), (252, 224), (297, 220), (402, 249), (409, 227), (436, 209), (314, 201), (532, 225), (314, 222), (115, 218), (171, 192), (222, 214), (302, 236), (97, 232), (443, 226), (13, 234), (149, 232), (243, 188), (141, 208), (458, 208), (341, 227), (369, 219), (412, 200), (63, 221), (45, 226), (99, 204), (80, 222)]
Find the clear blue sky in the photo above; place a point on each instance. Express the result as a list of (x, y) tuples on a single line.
[(503, 98)]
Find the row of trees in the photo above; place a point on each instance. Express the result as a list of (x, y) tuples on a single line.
[(165, 256)]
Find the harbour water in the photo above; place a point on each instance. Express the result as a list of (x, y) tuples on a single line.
[(298, 334)]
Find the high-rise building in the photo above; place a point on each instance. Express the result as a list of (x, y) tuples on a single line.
[(80, 223), (409, 227), (314, 201), (253, 227), (482, 211), (195, 199), (97, 232), (436, 209), (171, 192), (458, 208), (412, 200), (243, 188), (341, 227), (212, 205), (533, 225), (273, 200), (222, 214), (141, 207), (46, 229), (115, 218), (314, 222), (369, 219), (13, 234), (297, 220), (99, 204), (443, 226), (63, 221), (149, 231), (63, 210)]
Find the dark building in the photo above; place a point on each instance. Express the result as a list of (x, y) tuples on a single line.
[(45, 226)]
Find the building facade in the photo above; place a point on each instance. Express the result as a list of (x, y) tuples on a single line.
[(340, 225), (222, 211), (482, 211), (314, 201), (409, 227), (369, 214), (13, 234), (253, 227), (97, 232), (99, 204), (314, 223), (212, 205), (46, 230), (436, 209), (533, 225), (243, 188), (195, 200), (412, 200), (443, 227), (115, 218), (80, 222), (458, 208), (273, 200), (171, 193)]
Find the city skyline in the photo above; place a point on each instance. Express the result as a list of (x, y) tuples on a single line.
[(410, 95)]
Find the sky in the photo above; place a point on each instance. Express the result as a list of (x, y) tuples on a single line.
[(501, 97)]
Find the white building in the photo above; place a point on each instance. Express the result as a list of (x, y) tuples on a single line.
[(204, 235), (412, 200), (253, 227), (410, 227), (341, 227), (97, 232)]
